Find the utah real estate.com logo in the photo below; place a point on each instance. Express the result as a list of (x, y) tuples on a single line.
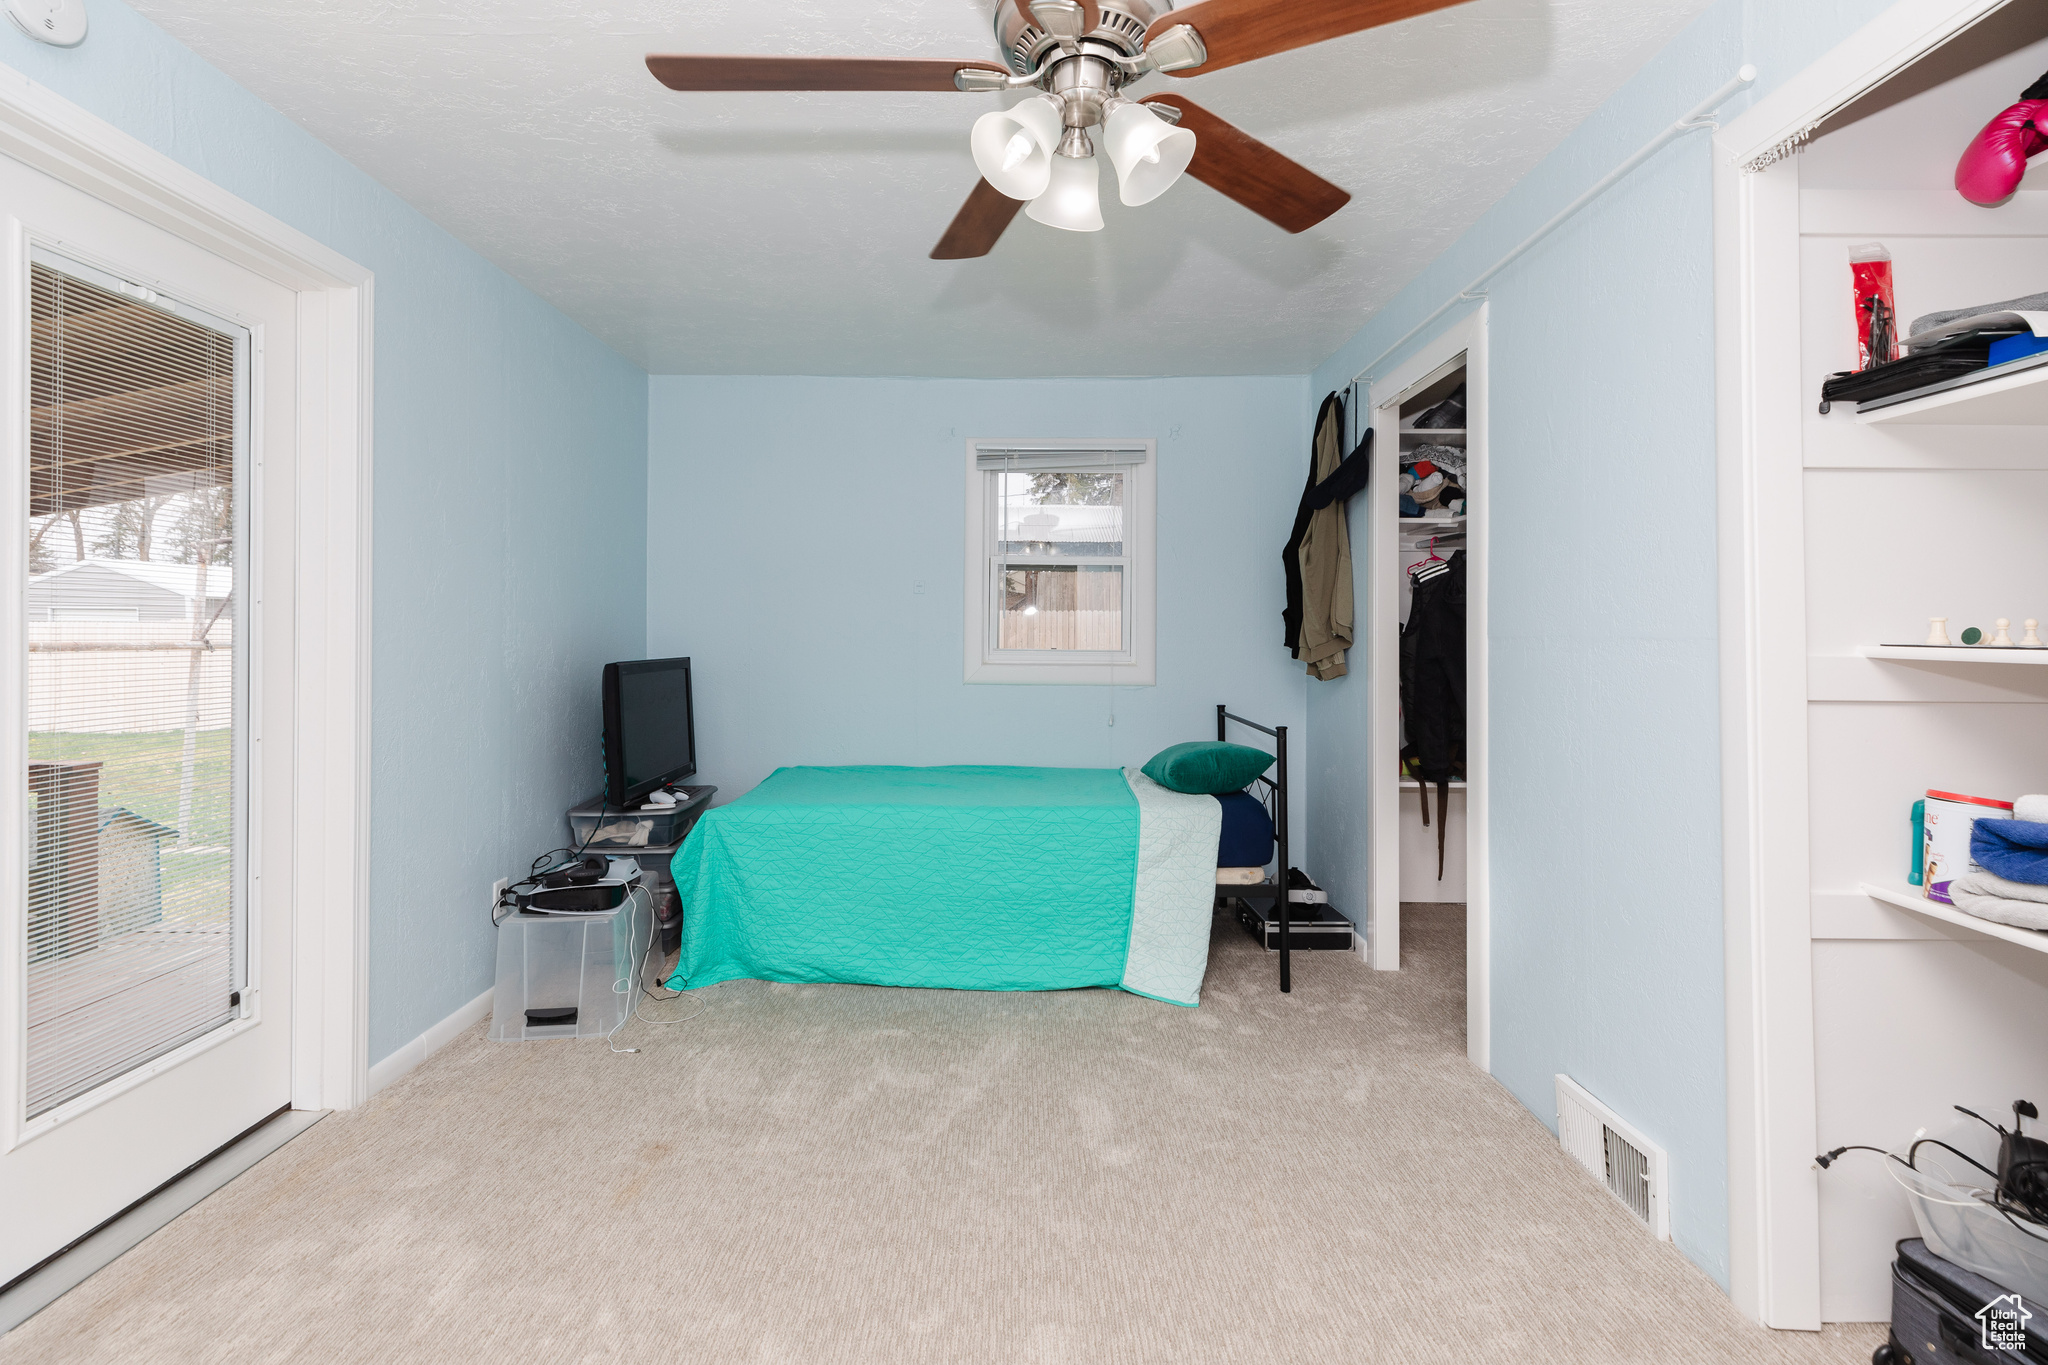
[(2003, 1323)]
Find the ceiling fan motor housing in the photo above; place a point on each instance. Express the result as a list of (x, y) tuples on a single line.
[(1087, 79), (1122, 30)]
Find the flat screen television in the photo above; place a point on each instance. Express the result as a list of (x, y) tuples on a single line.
[(650, 735)]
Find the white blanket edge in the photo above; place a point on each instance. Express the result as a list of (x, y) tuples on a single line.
[(1175, 892)]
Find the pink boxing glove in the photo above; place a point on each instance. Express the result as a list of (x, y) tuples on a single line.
[(1997, 157)]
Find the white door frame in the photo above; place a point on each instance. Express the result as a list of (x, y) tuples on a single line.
[(330, 617), (1773, 1194), (1466, 336)]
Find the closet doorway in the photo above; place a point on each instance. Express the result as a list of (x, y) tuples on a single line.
[(1426, 624)]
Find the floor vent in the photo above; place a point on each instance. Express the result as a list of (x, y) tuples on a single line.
[(1633, 1168)]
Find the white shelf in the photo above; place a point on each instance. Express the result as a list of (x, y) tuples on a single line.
[(1908, 897), (1458, 432), (1409, 784), (2018, 399), (1956, 654)]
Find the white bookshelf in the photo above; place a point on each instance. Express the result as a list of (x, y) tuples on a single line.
[(1956, 654), (2017, 398), (1909, 897)]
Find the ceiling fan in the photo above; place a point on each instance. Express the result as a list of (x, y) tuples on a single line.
[(1078, 55)]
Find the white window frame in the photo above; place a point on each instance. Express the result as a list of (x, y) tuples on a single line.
[(1131, 667)]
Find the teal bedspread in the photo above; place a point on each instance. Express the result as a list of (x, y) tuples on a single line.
[(976, 878)]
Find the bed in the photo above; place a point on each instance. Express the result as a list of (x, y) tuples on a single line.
[(970, 878), (973, 878)]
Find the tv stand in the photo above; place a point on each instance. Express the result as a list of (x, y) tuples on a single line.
[(654, 856)]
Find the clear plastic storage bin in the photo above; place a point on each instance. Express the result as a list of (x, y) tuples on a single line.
[(1951, 1204), (595, 826), (583, 965)]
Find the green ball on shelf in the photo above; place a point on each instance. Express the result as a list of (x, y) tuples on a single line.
[(1972, 635)]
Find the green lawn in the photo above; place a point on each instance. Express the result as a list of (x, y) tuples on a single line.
[(141, 774)]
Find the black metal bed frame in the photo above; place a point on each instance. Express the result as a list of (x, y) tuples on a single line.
[(1274, 891)]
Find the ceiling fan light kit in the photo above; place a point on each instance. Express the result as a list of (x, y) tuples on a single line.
[(1148, 152), (1080, 54), (1073, 200), (1013, 148)]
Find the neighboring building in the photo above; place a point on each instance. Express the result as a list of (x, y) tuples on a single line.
[(108, 647), (128, 590)]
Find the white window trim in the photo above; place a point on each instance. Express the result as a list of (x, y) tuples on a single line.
[(1141, 507), (331, 606)]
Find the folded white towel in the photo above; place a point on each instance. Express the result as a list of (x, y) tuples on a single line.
[(2033, 808), (1991, 884), (2020, 904)]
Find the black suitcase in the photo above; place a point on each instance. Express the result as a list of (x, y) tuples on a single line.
[(1936, 1308)]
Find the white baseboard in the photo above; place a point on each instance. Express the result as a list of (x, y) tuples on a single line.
[(437, 1036)]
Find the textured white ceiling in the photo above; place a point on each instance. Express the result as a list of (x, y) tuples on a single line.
[(788, 233)]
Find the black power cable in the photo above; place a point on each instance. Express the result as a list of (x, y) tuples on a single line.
[(2019, 1187), (546, 861)]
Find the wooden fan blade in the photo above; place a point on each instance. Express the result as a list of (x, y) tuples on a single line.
[(1233, 162), (979, 223), (808, 73), (1088, 25), (1241, 30)]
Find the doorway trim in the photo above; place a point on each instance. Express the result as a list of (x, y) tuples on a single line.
[(1773, 1193), (331, 612), (1466, 336)]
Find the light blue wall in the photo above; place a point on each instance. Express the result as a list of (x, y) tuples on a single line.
[(1605, 850), (790, 521), (509, 559)]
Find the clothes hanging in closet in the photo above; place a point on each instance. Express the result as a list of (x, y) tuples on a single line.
[(1433, 688), (1317, 559)]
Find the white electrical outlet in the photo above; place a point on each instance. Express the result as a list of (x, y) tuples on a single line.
[(498, 894)]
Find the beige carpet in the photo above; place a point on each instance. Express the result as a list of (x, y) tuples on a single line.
[(842, 1173)]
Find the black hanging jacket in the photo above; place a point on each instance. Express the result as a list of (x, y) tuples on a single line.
[(1350, 478), (1433, 688)]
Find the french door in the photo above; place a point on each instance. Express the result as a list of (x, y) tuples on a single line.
[(146, 633)]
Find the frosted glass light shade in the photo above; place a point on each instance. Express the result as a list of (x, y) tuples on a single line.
[(1013, 147), (1072, 200), (1148, 152)]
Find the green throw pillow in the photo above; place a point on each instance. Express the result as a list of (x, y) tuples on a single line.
[(1209, 766)]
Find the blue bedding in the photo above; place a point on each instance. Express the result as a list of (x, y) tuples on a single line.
[(1247, 839)]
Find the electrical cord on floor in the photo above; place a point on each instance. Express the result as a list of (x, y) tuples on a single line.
[(635, 984), (635, 965)]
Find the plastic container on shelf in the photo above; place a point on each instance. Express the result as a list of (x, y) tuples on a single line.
[(596, 825), (570, 976), (1950, 1203), (629, 829)]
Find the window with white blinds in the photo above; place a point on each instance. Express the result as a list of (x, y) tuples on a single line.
[(1059, 562), (134, 926)]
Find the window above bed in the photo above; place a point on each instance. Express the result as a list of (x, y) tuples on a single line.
[(1060, 556)]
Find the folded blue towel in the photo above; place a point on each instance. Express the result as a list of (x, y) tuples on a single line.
[(2016, 850)]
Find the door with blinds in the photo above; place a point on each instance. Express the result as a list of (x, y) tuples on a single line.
[(145, 1024)]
